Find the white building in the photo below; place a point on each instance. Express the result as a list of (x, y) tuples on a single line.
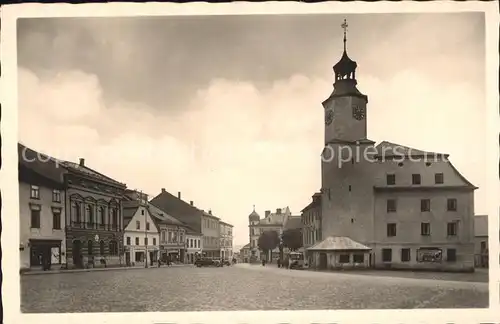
[(226, 240), (41, 211), (194, 245), (141, 233)]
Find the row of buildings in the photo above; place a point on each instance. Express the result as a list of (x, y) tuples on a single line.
[(74, 216), (381, 206)]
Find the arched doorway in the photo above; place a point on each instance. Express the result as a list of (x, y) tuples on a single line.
[(77, 254)]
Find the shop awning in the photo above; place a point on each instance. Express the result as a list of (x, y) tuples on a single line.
[(338, 243)]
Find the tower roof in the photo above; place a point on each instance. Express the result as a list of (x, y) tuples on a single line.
[(253, 214), (345, 68)]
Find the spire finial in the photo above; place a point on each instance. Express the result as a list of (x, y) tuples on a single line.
[(253, 207), (344, 26)]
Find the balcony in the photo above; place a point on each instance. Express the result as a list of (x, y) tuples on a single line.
[(94, 226)]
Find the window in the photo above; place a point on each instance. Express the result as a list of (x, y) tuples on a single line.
[(147, 226), (358, 258), (196, 243), (35, 192), (483, 246), (405, 255), (425, 205), (181, 237), (56, 219), (100, 215), (344, 258), (415, 179), (386, 255), (391, 205), (391, 229), (425, 229), (90, 247), (89, 214), (113, 248), (154, 240), (142, 211), (136, 241), (452, 229), (439, 178), (391, 179), (169, 236), (114, 215), (76, 212), (56, 195), (137, 225), (451, 255), (145, 241), (452, 204), (101, 247), (128, 240), (35, 218)]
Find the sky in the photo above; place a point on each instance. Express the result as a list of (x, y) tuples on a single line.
[(227, 109)]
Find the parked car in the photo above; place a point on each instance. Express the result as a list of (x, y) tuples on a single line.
[(227, 262), (296, 261), (205, 262)]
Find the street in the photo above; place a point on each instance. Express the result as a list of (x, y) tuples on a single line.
[(239, 287)]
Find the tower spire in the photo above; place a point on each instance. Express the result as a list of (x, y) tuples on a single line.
[(344, 26)]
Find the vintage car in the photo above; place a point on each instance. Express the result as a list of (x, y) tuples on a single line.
[(296, 260), (205, 262)]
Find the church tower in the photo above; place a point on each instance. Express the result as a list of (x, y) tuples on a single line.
[(347, 189)]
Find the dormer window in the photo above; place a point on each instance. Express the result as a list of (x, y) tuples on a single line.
[(35, 192)]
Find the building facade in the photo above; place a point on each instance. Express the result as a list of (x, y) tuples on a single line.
[(94, 217), (481, 246), (311, 225), (210, 231), (194, 245), (226, 240), (270, 222), (172, 235), (142, 238), (41, 210), (411, 207)]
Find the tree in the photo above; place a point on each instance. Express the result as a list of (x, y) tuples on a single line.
[(292, 239), (268, 241)]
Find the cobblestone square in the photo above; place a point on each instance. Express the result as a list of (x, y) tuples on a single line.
[(240, 287)]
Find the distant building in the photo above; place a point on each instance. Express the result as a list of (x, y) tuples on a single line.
[(245, 253), (271, 222), (194, 245), (226, 240), (411, 207), (481, 248), (141, 230), (41, 210)]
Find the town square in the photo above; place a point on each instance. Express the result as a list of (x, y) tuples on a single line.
[(238, 180)]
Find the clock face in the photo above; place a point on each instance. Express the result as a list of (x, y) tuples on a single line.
[(328, 116), (358, 112)]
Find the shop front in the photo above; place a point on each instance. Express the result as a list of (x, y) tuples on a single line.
[(45, 251)]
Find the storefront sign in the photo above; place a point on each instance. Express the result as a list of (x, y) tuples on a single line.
[(429, 255)]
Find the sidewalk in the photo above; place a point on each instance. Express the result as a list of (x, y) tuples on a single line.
[(58, 271)]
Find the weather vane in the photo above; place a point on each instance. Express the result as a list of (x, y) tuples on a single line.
[(344, 26)]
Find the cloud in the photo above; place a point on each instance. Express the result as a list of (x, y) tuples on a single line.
[(234, 144)]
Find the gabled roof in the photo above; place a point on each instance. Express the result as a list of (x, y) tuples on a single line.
[(481, 225), (338, 243), (245, 247), (167, 202), (293, 222), (162, 216), (75, 167), (129, 210), (316, 201), (43, 165), (388, 149)]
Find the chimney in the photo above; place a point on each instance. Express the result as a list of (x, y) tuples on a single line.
[(82, 162), (163, 190), (179, 194), (278, 211), (210, 212), (268, 212), (191, 202)]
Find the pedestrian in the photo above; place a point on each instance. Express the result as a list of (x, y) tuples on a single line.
[(279, 262), (159, 262)]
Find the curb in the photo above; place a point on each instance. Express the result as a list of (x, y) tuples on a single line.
[(52, 272)]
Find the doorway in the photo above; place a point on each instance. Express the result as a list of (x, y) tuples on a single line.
[(77, 254), (323, 261)]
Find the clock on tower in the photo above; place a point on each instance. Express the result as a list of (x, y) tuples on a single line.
[(347, 122)]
